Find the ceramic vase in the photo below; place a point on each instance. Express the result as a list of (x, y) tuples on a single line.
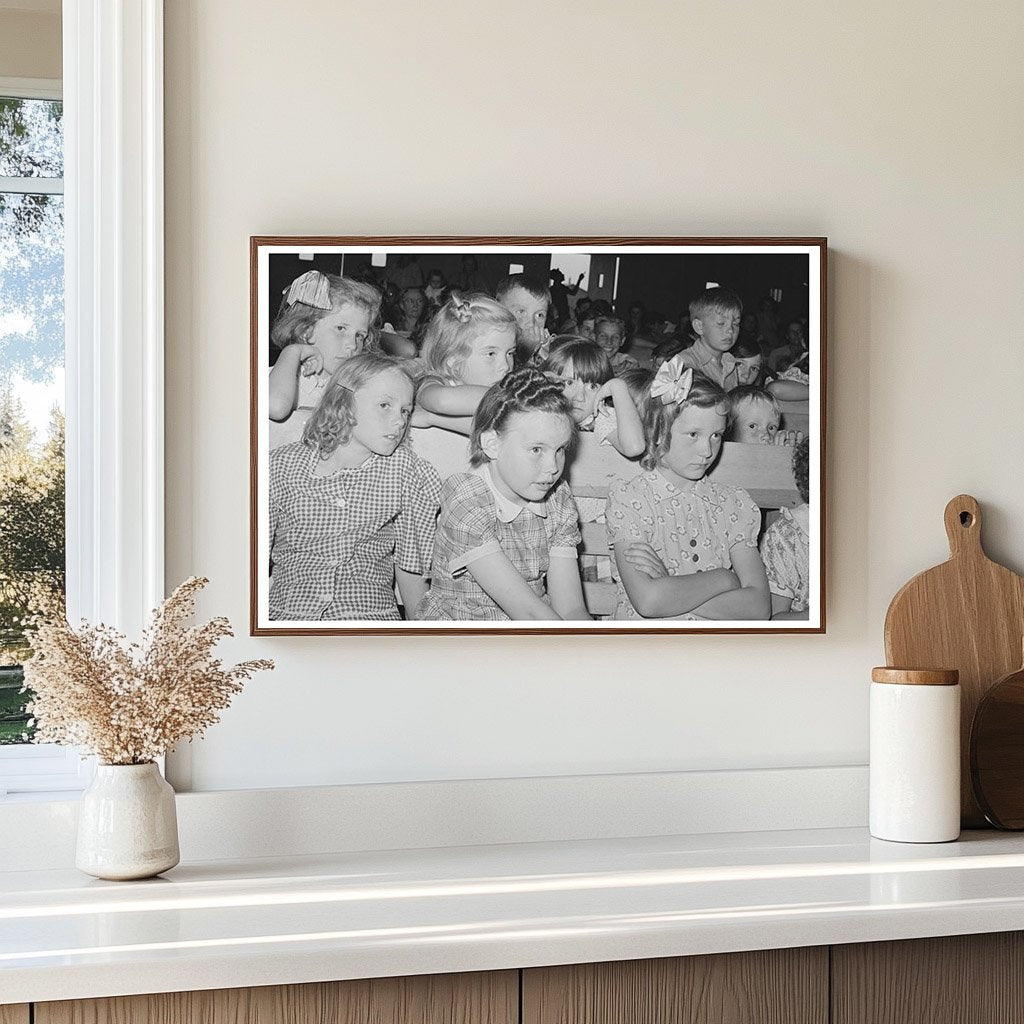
[(127, 825)]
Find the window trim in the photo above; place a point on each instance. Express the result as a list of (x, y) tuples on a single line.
[(114, 331), (32, 88), (43, 768), (113, 169), (30, 186)]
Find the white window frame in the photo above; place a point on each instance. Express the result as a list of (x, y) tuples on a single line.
[(114, 334)]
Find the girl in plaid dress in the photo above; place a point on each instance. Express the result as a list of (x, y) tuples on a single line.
[(352, 509), (508, 531)]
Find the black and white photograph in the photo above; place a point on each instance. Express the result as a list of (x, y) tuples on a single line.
[(537, 435)]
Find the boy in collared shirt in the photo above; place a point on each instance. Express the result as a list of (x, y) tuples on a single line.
[(715, 315)]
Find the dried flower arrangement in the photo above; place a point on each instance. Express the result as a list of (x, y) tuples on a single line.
[(129, 704)]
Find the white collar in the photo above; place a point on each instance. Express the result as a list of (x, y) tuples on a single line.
[(505, 508), (664, 490)]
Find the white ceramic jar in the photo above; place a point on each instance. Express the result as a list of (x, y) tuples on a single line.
[(915, 755)]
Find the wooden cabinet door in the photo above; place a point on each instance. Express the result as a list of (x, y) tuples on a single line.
[(14, 1014), (480, 998), (776, 986), (959, 979)]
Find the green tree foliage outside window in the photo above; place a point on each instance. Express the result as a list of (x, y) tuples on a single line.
[(32, 544)]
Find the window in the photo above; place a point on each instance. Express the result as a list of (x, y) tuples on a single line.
[(572, 265), (32, 532), (31, 382)]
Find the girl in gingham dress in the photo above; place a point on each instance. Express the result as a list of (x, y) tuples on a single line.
[(684, 546), (508, 531), (352, 509)]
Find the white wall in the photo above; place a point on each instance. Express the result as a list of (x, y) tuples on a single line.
[(894, 129)]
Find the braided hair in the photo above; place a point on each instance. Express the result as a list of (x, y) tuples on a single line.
[(525, 390)]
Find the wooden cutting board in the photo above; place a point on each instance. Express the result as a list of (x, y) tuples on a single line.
[(967, 614), (997, 752)]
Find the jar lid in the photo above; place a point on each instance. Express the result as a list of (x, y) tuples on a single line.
[(916, 676)]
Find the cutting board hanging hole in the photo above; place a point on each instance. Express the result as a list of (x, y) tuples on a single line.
[(963, 526)]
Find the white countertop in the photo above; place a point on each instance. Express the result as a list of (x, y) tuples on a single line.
[(355, 915)]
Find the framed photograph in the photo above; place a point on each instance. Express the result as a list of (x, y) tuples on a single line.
[(537, 435)]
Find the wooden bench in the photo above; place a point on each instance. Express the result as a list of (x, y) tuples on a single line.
[(764, 471), (796, 416)]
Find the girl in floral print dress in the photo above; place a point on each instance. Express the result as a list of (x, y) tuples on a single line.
[(684, 546)]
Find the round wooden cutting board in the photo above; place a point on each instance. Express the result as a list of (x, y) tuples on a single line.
[(967, 614), (997, 752)]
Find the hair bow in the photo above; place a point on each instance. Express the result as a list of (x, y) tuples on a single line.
[(312, 288), (462, 309), (671, 382)]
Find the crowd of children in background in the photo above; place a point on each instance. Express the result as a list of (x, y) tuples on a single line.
[(363, 527)]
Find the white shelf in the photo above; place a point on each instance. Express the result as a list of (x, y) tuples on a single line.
[(385, 913)]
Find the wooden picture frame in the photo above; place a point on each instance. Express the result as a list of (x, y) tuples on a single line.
[(781, 281)]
